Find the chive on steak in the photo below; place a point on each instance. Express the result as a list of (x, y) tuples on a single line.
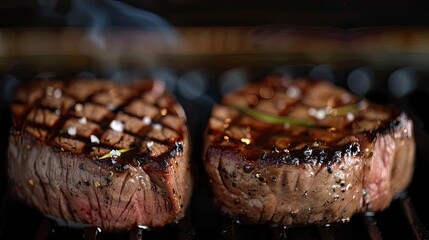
[(305, 152), (92, 152)]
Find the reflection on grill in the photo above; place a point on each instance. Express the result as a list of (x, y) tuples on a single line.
[(231, 231), (49, 230), (360, 227)]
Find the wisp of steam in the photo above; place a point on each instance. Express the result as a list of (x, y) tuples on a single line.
[(96, 16), (107, 47)]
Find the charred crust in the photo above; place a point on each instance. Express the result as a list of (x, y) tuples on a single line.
[(106, 101), (144, 159), (389, 126), (310, 155), (321, 143), (177, 149), (305, 155)]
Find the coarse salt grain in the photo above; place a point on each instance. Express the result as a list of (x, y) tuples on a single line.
[(57, 93), (71, 131), (78, 107), (317, 113), (117, 126), (245, 140), (350, 116), (163, 111), (115, 153), (147, 120), (83, 120), (293, 92), (157, 126), (94, 139)]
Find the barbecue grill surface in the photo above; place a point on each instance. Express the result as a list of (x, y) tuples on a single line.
[(406, 218)]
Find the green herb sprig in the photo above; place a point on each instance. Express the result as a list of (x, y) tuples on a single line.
[(109, 154), (273, 119), (285, 120)]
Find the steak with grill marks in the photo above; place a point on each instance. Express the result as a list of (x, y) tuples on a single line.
[(303, 151), (94, 152)]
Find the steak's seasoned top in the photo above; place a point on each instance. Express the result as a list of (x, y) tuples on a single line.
[(287, 121), (115, 125)]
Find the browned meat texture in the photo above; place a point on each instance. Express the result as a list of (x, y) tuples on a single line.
[(98, 153), (333, 156)]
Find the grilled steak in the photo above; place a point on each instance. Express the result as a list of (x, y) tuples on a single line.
[(97, 153), (303, 151)]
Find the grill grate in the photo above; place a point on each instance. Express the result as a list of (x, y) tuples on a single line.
[(400, 221), (418, 229), (234, 230), (231, 230)]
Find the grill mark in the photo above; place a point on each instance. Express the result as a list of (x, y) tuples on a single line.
[(331, 142), (157, 119), (66, 114), (55, 131), (63, 117), (143, 134), (28, 110), (39, 130), (237, 121), (104, 121), (84, 139)]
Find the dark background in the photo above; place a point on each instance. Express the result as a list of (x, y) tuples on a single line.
[(345, 14), (338, 13)]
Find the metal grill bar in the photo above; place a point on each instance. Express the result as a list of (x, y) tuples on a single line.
[(419, 230), (371, 225), (231, 229), (90, 233), (136, 233)]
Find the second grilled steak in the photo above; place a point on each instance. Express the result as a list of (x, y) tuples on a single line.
[(299, 152), (97, 153)]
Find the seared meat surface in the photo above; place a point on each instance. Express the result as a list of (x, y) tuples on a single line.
[(97, 153), (303, 151)]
